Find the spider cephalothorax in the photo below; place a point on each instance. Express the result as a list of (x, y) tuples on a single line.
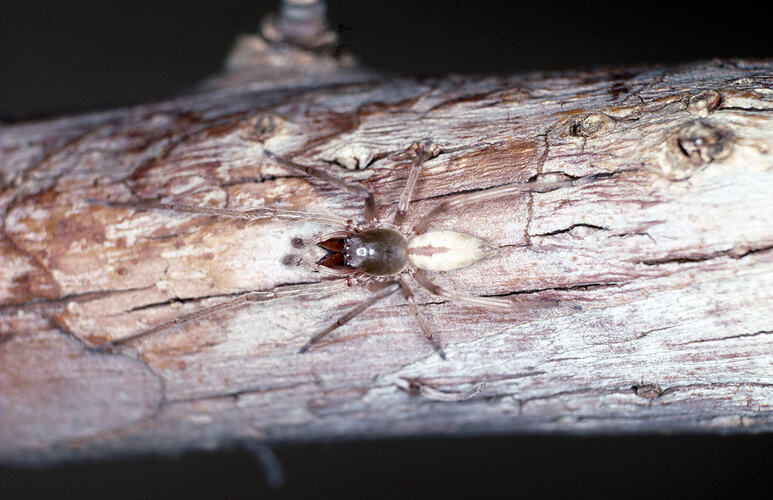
[(374, 252), (380, 252)]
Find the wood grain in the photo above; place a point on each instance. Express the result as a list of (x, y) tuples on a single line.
[(668, 251)]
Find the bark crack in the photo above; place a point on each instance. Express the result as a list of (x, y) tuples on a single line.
[(729, 337), (745, 110), (576, 286), (50, 306), (711, 385), (684, 259), (602, 391), (570, 228), (236, 394), (186, 300)]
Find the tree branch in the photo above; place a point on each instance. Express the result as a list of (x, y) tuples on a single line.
[(668, 250)]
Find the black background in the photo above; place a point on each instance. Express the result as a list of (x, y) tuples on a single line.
[(64, 56), (60, 57)]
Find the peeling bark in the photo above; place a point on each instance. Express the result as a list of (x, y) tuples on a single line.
[(668, 250)]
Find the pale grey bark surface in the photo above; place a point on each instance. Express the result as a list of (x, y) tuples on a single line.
[(668, 251)]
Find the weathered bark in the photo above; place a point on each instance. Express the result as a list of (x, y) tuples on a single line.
[(668, 251)]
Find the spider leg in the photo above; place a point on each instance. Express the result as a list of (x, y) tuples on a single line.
[(356, 189), (495, 193), (410, 185), (487, 302), (428, 333), (248, 214), (238, 301), (495, 304), (389, 288)]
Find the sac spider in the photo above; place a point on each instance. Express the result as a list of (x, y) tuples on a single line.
[(377, 253)]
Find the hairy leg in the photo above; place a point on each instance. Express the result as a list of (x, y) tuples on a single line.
[(428, 333), (238, 301), (248, 214), (386, 291), (502, 305), (410, 185), (356, 189), (496, 193)]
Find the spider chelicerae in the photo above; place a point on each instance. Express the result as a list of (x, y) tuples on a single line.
[(377, 253)]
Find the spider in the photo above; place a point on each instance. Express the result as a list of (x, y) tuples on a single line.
[(380, 254)]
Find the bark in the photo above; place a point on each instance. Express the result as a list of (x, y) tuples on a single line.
[(668, 250)]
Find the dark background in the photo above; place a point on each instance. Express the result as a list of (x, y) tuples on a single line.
[(66, 56), (61, 57)]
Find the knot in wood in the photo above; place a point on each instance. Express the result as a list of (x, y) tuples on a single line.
[(417, 147), (263, 126), (703, 103), (648, 391), (693, 145), (592, 124)]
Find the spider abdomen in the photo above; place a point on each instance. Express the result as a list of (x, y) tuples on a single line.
[(446, 250), (379, 252)]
